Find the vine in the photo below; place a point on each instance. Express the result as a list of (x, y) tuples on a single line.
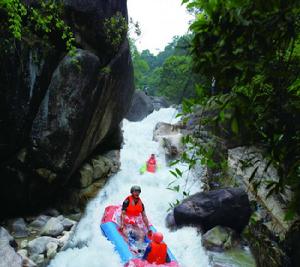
[(115, 29), (27, 21)]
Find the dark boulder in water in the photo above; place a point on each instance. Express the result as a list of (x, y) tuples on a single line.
[(141, 107), (226, 207)]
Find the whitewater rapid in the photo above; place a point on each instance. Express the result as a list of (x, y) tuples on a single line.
[(89, 248)]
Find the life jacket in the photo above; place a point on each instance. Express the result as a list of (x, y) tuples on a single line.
[(134, 209), (158, 253), (151, 165)]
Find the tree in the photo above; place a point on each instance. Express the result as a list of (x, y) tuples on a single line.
[(169, 73), (177, 79), (251, 48)]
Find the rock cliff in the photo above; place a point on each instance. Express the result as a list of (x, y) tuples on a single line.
[(57, 109)]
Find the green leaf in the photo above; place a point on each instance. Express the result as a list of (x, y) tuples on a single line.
[(186, 194), (253, 174), (173, 173), (178, 172), (174, 162), (176, 188), (290, 214)]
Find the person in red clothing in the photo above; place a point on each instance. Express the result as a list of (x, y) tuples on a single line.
[(133, 213), (151, 164), (156, 252)]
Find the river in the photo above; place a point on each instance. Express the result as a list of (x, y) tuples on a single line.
[(89, 248)]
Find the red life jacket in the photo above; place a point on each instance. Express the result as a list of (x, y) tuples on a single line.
[(134, 209), (151, 165), (158, 253)]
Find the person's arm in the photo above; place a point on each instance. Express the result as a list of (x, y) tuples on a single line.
[(147, 251), (124, 207), (122, 220), (145, 219)]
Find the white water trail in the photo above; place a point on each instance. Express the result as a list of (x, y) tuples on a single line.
[(91, 249)]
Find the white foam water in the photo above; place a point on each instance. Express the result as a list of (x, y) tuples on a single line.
[(89, 248)]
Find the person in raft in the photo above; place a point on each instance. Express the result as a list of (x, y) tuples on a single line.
[(156, 252), (133, 216), (151, 164)]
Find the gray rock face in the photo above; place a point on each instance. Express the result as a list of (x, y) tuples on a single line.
[(19, 228), (141, 107), (56, 110), (218, 239), (86, 175), (67, 223), (39, 222), (26, 261), (159, 102), (226, 207), (9, 257), (38, 258), (6, 238), (53, 227), (51, 250), (89, 18), (64, 112), (39, 245), (169, 136)]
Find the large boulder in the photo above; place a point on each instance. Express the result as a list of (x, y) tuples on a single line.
[(169, 136), (56, 109), (92, 26), (159, 102), (219, 239), (141, 107), (19, 228), (39, 245), (39, 222), (6, 238), (9, 257), (225, 207), (53, 227)]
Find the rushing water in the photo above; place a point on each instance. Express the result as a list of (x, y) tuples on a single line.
[(89, 248)]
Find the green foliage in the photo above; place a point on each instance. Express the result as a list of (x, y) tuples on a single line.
[(115, 29), (176, 79), (140, 66), (169, 73), (251, 49), (15, 11), (28, 23), (176, 185)]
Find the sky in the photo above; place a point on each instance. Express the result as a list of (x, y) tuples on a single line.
[(159, 21)]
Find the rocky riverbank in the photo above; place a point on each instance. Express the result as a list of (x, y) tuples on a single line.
[(34, 240), (220, 215), (272, 239)]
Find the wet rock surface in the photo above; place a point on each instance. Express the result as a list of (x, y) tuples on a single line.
[(159, 102), (141, 107), (19, 229), (226, 207), (219, 239), (41, 243), (169, 136), (53, 227)]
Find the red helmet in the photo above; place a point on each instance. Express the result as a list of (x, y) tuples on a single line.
[(157, 237)]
